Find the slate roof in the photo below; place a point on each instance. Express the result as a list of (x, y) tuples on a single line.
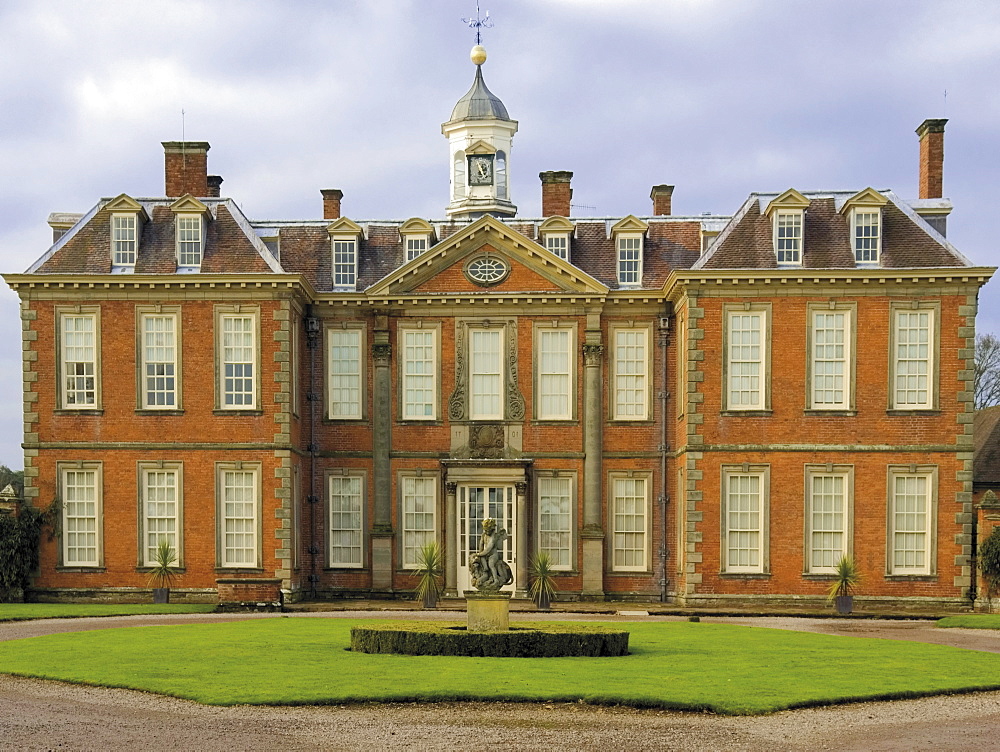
[(672, 243), (986, 446)]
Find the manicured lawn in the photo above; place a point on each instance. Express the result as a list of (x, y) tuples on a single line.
[(21, 611), (719, 667), (971, 621)]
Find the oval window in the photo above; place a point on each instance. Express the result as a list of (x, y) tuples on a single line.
[(487, 270)]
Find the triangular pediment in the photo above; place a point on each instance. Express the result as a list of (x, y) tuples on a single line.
[(790, 199), (188, 205), (125, 204), (631, 223), (344, 226), (417, 226), (869, 197), (481, 147), (532, 268)]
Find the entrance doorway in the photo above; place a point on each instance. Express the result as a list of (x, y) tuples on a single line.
[(476, 503)]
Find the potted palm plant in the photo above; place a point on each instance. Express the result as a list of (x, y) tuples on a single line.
[(845, 579), (161, 576), (430, 567), (543, 584)]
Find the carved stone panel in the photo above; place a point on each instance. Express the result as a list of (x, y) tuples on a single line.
[(486, 441)]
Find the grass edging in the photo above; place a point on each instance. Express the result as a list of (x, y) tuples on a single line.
[(970, 621), (31, 611), (523, 641)]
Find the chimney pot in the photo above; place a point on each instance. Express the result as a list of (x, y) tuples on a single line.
[(931, 135), (556, 193), (185, 167), (214, 186), (662, 196), (331, 202)]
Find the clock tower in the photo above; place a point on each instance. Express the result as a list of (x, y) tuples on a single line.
[(479, 137)]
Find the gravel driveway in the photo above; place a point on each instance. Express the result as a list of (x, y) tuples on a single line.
[(40, 715)]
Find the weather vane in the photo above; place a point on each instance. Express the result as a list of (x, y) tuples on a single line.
[(479, 24)]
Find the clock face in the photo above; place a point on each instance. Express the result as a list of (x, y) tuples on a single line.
[(481, 169)]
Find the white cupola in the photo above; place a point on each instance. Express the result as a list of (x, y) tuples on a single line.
[(479, 141)]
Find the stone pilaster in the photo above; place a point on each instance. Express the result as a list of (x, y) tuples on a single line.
[(381, 446), (451, 541), (521, 539), (592, 535)]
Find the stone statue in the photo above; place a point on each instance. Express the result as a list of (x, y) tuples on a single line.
[(488, 569)]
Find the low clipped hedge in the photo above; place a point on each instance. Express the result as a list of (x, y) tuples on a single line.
[(548, 641)]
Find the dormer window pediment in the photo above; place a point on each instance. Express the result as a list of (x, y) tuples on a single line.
[(787, 213), (345, 237), (864, 214)]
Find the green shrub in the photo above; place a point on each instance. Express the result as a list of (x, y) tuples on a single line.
[(989, 563), (19, 538), (548, 641)]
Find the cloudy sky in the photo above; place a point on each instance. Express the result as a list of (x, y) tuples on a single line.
[(719, 97)]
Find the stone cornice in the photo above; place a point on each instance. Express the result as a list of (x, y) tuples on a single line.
[(70, 284)]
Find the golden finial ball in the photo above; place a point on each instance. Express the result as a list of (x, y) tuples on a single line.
[(478, 54)]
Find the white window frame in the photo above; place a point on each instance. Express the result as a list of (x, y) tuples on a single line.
[(482, 373), (416, 245), (866, 256), (556, 526), (630, 385), (557, 243), (738, 517), (629, 525), (905, 364), (629, 252), (826, 354), (124, 239), (78, 522), (162, 521), (239, 519), (820, 520), (169, 366), (418, 503), (80, 360), (350, 484), (419, 376), (345, 262), (190, 232), (789, 237), (903, 520), (741, 368), (550, 373), (345, 375), (227, 394)]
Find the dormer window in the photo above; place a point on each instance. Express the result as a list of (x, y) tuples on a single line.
[(127, 216), (123, 239), (555, 233), (628, 236), (788, 238), (189, 233), (787, 213), (345, 237), (864, 216), (190, 240), (417, 236)]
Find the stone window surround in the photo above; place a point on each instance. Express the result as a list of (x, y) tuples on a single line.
[(408, 325), (364, 359), (220, 541), (142, 468), (765, 403), (764, 473), (647, 476), (221, 311), (540, 326), (345, 472), (934, 306), (930, 472), (850, 308), (572, 477), (141, 312), (435, 476), (810, 472), (78, 310), (513, 400), (613, 329), (98, 467)]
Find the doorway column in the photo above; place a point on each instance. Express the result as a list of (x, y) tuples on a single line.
[(592, 534), (381, 445), (521, 541), (451, 540)]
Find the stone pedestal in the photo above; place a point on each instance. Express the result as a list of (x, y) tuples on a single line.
[(488, 612)]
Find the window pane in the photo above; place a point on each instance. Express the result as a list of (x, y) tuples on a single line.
[(419, 374), (830, 360), (345, 373), (485, 374), (788, 238), (629, 534), (80, 533), (159, 361), (239, 517), (79, 354), (743, 523), (827, 521), (630, 374), (160, 496), (554, 364), (746, 361), (866, 235), (911, 523), (345, 521), (189, 241), (238, 356), (913, 359), (555, 521), (419, 499), (345, 257), (123, 240), (629, 261)]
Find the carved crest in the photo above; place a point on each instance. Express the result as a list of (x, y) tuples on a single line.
[(486, 441)]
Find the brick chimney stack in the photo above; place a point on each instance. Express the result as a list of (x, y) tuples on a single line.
[(931, 135), (185, 166), (331, 202), (214, 186), (556, 193), (662, 196)]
